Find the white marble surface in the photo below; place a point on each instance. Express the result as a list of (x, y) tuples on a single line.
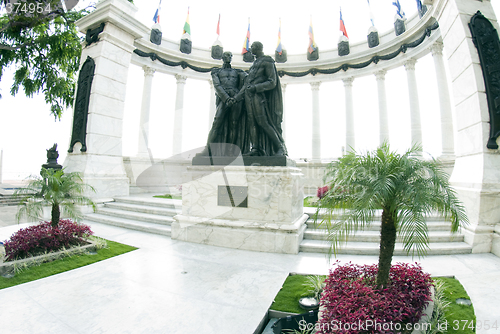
[(174, 287), (274, 193), (239, 234), (273, 220)]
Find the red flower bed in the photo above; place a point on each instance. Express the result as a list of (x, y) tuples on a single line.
[(41, 238), (353, 304), (322, 191)]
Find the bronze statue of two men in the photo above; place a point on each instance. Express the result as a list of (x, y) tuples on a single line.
[(249, 109)]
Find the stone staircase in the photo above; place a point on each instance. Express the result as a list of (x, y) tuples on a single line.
[(441, 240), (147, 214), (155, 215), (6, 200)]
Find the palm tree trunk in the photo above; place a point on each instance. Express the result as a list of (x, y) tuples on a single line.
[(55, 215), (387, 243)]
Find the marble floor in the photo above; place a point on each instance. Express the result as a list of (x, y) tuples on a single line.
[(168, 286)]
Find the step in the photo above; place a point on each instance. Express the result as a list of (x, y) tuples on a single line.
[(375, 226), (138, 216), (374, 236), (372, 248), (130, 224), (311, 211), (150, 201), (154, 210), (8, 201)]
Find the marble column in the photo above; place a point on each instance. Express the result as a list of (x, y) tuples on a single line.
[(382, 108), (316, 125), (350, 143), (283, 123), (101, 164), (211, 110), (179, 108), (416, 126), (447, 137), (476, 176), (143, 147)]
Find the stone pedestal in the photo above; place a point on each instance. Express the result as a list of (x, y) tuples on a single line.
[(264, 213)]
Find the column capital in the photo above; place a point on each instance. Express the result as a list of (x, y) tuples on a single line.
[(410, 64), (283, 86), (148, 71), (181, 79), (211, 83), (437, 49), (380, 75), (348, 81), (315, 85)]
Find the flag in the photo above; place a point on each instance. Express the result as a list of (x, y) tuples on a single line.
[(187, 26), (342, 25), (246, 44), (400, 12), (419, 5), (218, 28), (279, 48), (371, 13), (156, 18), (312, 44)]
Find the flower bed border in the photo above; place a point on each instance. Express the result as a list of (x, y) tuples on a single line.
[(7, 268)]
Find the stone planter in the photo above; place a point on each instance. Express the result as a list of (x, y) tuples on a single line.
[(8, 268)]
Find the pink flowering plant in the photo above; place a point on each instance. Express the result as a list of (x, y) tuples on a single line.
[(44, 237), (352, 301)]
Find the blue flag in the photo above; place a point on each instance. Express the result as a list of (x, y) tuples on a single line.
[(400, 12), (419, 5)]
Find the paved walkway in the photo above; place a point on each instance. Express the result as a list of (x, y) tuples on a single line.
[(168, 286)]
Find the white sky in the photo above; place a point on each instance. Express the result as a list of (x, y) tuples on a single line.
[(27, 129)]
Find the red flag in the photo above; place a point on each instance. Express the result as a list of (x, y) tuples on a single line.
[(342, 25), (218, 27)]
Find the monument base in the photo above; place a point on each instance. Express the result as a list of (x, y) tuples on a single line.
[(245, 207), (238, 234)]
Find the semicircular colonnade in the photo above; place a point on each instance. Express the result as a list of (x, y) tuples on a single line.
[(125, 41)]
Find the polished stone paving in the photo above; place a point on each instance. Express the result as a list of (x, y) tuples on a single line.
[(168, 286)]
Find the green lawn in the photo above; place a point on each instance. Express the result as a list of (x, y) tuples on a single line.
[(168, 196), (460, 318), (65, 264), (287, 299)]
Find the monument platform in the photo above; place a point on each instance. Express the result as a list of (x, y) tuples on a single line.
[(256, 208)]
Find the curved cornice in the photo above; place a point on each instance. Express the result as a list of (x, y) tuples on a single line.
[(166, 58)]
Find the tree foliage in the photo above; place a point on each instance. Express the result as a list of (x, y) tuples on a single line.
[(405, 188), (56, 189), (45, 53)]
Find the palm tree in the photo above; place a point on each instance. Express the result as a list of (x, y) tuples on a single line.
[(405, 187), (57, 189)]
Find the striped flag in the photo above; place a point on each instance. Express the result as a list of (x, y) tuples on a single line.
[(279, 48), (342, 25), (156, 18), (312, 44), (187, 26), (400, 12), (246, 44), (218, 28)]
